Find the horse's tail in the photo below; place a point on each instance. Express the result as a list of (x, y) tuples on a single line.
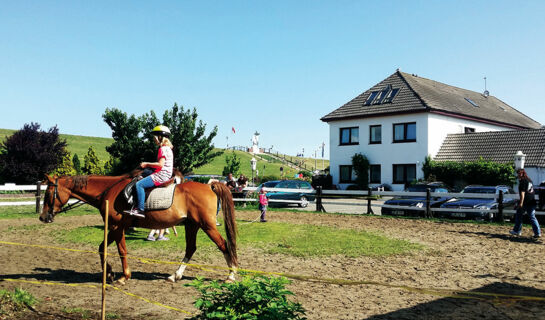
[(228, 208)]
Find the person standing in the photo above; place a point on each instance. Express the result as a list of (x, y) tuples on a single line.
[(163, 169), (263, 202), (526, 203)]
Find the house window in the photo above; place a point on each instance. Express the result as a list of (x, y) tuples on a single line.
[(385, 95), (390, 97), (469, 130), (375, 134), (350, 136), (405, 132), (382, 94), (371, 97), (345, 174), (404, 173), (374, 173), (473, 103)]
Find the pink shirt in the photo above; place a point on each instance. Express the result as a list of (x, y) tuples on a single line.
[(263, 199), (162, 175)]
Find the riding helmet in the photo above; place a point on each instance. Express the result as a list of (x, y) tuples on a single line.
[(161, 130)]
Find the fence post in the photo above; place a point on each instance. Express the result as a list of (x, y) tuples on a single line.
[(369, 210), (319, 206), (428, 212), (500, 207), (38, 195)]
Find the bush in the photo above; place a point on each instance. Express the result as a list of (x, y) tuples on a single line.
[(459, 174), (256, 297), (360, 164)]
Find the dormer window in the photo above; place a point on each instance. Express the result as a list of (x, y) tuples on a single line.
[(391, 95), (371, 97), (386, 95), (473, 103), (382, 94)]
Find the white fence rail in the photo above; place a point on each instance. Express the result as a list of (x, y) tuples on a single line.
[(322, 195)]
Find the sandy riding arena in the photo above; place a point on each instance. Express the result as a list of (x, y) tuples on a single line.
[(466, 271)]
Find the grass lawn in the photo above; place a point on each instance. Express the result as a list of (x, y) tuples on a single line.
[(14, 212), (272, 237)]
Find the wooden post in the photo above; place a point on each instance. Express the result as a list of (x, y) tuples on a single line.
[(369, 210), (38, 195), (105, 253), (319, 206), (500, 218), (428, 212)]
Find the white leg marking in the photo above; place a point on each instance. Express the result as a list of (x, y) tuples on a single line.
[(180, 272)]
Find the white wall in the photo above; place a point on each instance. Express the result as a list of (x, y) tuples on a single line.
[(387, 153), (440, 125), (536, 174)]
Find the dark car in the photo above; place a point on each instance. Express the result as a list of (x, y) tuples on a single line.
[(485, 204), (416, 202), (301, 192)]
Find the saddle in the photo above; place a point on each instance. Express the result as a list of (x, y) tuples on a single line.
[(157, 198)]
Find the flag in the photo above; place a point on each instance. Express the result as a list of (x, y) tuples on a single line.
[(233, 128), (323, 147)]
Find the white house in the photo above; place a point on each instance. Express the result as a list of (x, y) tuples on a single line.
[(403, 119)]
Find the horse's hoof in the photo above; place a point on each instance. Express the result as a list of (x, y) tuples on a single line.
[(172, 278), (120, 282)]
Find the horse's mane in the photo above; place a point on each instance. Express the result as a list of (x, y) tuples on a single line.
[(79, 182)]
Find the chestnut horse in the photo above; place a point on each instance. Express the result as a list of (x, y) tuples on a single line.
[(195, 205)]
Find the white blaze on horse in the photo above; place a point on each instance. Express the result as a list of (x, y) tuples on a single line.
[(194, 205)]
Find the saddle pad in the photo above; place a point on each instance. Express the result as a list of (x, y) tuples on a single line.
[(160, 198)]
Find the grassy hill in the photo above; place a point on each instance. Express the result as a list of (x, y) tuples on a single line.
[(266, 165), (77, 144)]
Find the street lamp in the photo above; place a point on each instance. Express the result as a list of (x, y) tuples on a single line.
[(253, 163), (520, 158)]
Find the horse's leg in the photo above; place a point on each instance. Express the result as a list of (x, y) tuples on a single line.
[(191, 229), (215, 236), (119, 236), (109, 273)]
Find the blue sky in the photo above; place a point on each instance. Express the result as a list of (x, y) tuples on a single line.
[(275, 67)]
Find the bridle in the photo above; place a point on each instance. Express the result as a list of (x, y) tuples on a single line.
[(55, 196)]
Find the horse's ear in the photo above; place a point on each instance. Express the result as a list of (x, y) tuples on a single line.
[(48, 178)]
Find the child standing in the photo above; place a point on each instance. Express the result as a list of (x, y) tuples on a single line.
[(263, 201)]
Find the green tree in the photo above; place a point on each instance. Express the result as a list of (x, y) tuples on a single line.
[(109, 166), (192, 147), (66, 168), (233, 164), (76, 164), (91, 163), (360, 164), (133, 142), (29, 153)]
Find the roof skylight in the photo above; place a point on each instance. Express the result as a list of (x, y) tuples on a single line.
[(385, 95), (473, 103)]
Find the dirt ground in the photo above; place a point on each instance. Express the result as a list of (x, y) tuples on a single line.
[(467, 271)]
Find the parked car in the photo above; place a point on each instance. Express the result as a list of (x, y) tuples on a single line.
[(417, 202), (297, 185), (477, 203)]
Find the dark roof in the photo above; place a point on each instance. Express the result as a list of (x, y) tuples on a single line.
[(498, 146), (419, 94)]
